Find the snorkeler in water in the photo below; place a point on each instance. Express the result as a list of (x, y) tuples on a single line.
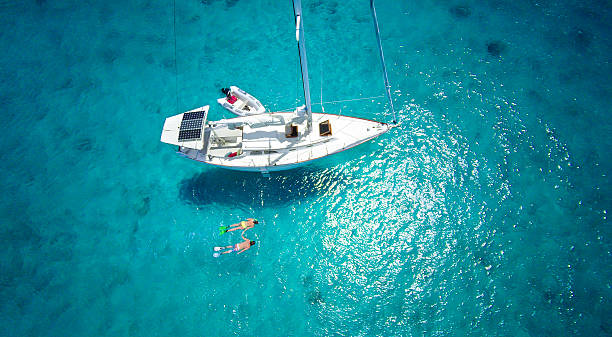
[(239, 247), (244, 225)]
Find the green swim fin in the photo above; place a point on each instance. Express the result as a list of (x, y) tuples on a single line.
[(222, 230)]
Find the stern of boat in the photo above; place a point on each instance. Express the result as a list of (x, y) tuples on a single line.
[(188, 131)]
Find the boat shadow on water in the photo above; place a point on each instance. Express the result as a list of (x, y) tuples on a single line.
[(256, 190)]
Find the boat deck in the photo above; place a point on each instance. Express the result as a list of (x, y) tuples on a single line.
[(265, 141)]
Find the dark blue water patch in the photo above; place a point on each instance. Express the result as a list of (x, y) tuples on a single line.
[(596, 15), (194, 19), (60, 246), (149, 58), (168, 63), (21, 232), (67, 83), (314, 297), (572, 110), (253, 189), (23, 236), (137, 200), (143, 206), (460, 11), (228, 3), (535, 96), (115, 276), (308, 280), (597, 200), (54, 37), (12, 267), (84, 144), (109, 55), (315, 4), (589, 13), (156, 39), (152, 108), (581, 39), (551, 297), (41, 279), (208, 55), (61, 132), (134, 328), (57, 308), (496, 48), (113, 35), (330, 7), (312, 292), (75, 59), (105, 12)]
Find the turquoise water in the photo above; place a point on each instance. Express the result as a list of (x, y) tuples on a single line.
[(483, 213)]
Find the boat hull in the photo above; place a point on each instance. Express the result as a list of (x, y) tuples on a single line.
[(252, 153), (264, 169)]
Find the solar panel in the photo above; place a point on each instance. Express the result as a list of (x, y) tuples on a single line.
[(190, 134), (191, 126), (193, 115)]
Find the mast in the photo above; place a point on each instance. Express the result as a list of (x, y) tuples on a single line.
[(382, 60), (299, 36)]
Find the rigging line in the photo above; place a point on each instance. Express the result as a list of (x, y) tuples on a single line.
[(339, 101), (175, 66), (354, 99), (296, 100), (321, 96), (382, 60)]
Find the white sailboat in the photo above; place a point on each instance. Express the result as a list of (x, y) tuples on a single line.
[(272, 141)]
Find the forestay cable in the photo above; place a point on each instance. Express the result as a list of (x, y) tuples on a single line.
[(382, 60)]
